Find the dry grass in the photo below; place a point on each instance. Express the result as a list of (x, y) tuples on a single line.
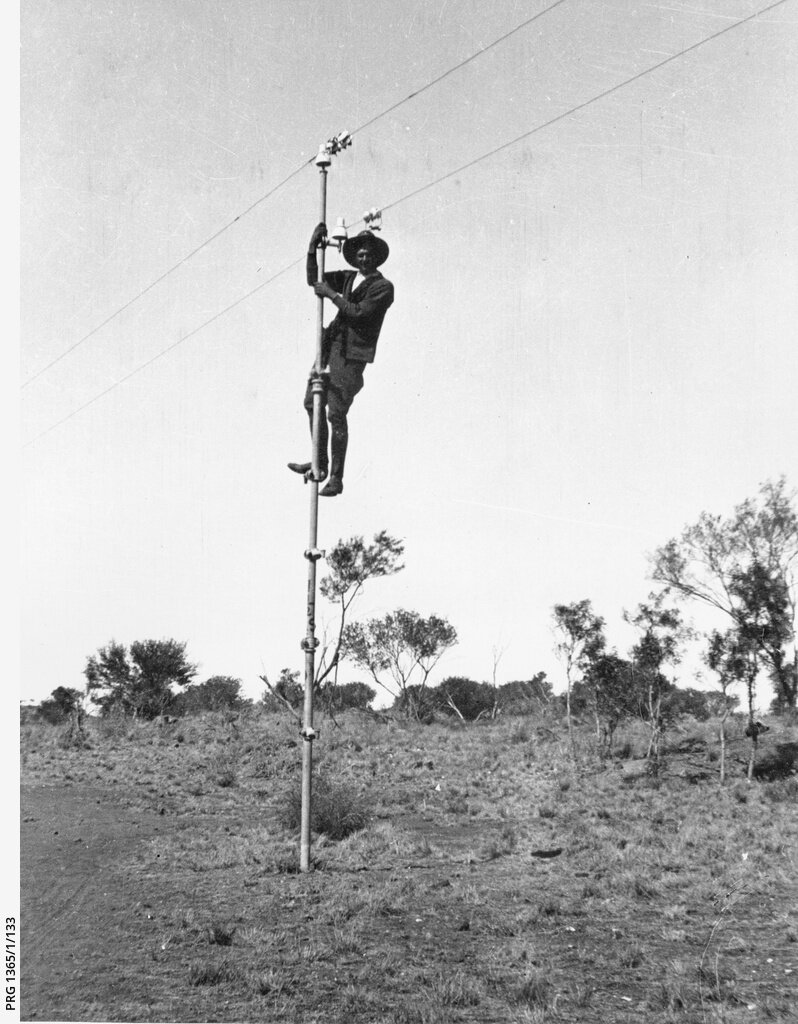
[(337, 810), (671, 900)]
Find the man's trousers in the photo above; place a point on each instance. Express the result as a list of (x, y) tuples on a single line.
[(345, 381)]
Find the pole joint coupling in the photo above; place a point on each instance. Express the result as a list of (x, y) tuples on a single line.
[(314, 554), (309, 643), (318, 382)]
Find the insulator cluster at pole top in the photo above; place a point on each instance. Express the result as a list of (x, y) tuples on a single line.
[(328, 149)]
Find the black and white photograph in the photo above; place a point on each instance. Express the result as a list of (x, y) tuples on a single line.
[(402, 565)]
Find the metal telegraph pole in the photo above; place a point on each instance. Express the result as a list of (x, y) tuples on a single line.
[(309, 643)]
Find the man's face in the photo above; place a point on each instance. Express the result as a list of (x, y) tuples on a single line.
[(366, 260)]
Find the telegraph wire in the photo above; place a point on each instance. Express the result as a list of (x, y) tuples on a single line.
[(582, 106), (163, 276), (277, 187), (462, 64), (418, 191), (163, 352)]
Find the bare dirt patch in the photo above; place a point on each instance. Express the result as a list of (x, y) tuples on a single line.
[(76, 893), (669, 900)]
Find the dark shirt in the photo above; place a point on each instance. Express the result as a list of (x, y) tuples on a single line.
[(360, 312)]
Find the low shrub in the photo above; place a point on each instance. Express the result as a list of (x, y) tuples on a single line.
[(536, 991), (114, 726), (208, 972), (223, 768), (70, 738), (337, 811), (221, 935), (782, 790), (779, 763)]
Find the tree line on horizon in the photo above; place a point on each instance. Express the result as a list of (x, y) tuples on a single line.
[(742, 566)]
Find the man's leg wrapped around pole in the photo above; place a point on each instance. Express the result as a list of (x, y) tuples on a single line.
[(346, 381), (339, 439), (315, 405), (314, 402)]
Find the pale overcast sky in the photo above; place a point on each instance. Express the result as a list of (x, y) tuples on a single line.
[(593, 338)]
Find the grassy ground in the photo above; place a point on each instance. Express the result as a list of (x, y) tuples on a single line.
[(494, 880)]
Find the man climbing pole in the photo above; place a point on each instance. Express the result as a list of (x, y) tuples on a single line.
[(362, 297)]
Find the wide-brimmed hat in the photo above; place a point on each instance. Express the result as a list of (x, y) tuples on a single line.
[(379, 245)]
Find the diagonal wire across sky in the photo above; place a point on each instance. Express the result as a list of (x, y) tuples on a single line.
[(391, 205), (276, 188)]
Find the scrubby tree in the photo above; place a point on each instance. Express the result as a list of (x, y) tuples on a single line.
[(736, 655), (754, 637), (725, 658), (716, 703), (142, 682), (662, 635), (109, 679), (219, 693), (355, 695), (763, 621), (580, 640), (688, 702), (721, 562), (465, 698), (352, 563), (286, 693), (60, 705), (607, 690), (526, 696), (399, 651)]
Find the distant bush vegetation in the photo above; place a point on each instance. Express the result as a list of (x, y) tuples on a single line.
[(468, 700), (464, 699), (349, 695), (525, 697), (60, 705), (455, 697), (289, 691), (141, 682), (219, 693), (683, 702)]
